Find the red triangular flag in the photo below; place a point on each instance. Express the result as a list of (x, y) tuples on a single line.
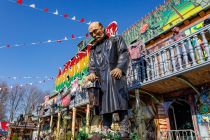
[(65, 15), (46, 9), (72, 36), (82, 20), (87, 35), (19, 1), (59, 72)]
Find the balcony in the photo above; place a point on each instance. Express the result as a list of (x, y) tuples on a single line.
[(184, 61), (81, 98)]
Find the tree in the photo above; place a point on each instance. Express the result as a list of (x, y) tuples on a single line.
[(31, 99), (23, 100), (3, 99), (15, 96)]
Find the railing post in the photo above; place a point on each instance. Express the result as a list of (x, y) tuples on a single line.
[(197, 45), (191, 135), (143, 70), (178, 54), (161, 64), (139, 71), (148, 62), (205, 43), (156, 66), (165, 62), (173, 59), (184, 52), (192, 55), (152, 68)]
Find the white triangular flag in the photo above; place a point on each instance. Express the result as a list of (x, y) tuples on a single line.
[(88, 23), (56, 12), (30, 83), (65, 38), (32, 6), (49, 41), (16, 45), (73, 18)]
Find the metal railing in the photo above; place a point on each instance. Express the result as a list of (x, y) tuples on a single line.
[(188, 53), (178, 135)]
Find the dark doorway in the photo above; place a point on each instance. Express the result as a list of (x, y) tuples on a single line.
[(180, 116)]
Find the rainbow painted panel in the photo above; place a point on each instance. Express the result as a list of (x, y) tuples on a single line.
[(77, 70)]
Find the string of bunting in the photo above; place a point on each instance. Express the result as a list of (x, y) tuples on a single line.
[(26, 84), (46, 10), (26, 77), (73, 37)]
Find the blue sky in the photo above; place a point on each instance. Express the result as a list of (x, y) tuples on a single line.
[(21, 24)]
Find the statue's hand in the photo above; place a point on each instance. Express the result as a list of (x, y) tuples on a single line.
[(91, 77), (116, 73)]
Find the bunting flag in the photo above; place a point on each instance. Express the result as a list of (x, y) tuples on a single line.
[(65, 15), (4, 126), (72, 36), (82, 20), (47, 10), (73, 18), (19, 1), (43, 42), (60, 72), (32, 6), (56, 12)]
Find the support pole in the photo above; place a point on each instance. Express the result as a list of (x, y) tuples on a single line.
[(139, 116), (88, 119), (51, 120), (58, 125), (39, 128), (73, 123)]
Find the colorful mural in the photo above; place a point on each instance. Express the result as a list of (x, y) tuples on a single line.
[(193, 29), (164, 18), (203, 115)]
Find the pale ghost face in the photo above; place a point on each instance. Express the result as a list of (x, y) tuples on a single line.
[(96, 30)]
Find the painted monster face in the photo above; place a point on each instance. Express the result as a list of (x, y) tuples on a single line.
[(97, 31)]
